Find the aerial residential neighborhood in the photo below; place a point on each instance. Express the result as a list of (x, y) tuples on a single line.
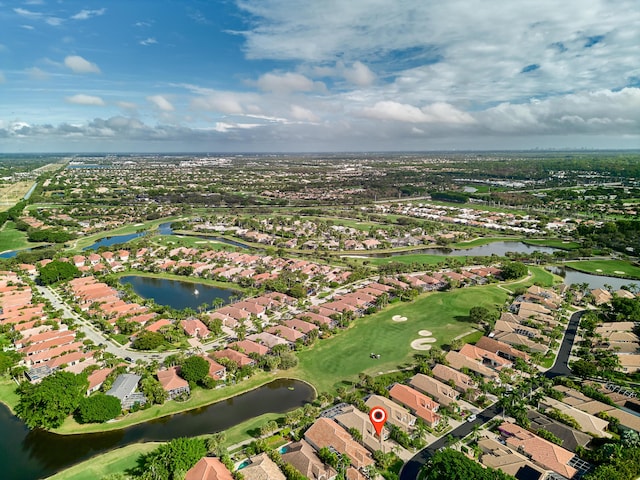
[(284, 240), (476, 347)]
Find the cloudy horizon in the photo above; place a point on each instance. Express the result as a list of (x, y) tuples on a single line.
[(285, 76)]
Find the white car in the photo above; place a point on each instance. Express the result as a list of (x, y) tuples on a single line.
[(471, 418)]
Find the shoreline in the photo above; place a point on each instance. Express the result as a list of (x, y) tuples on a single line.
[(597, 274), (106, 427)]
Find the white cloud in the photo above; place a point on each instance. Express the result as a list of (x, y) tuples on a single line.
[(303, 114), (455, 51), (36, 73), (49, 19), (27, 27), (87, 14), (162, 103), (435, 113), (2, 77), (288, 82), (359, 74), (82, 99), (80, 65), (148, 41), (127, 105)]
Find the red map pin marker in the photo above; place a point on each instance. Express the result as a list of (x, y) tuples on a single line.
[(378, 417)]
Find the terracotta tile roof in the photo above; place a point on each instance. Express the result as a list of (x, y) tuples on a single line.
[(208, 468), (262, 468), (423, 406), (327, 433), (441, 392), (170, 380), (445, 374), (239, 358), (544, 453), (285, 332), (249, 346), (303, 458)]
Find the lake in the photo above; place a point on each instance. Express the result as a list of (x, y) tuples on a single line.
[(109, 241), (163, 229), (595, 281), (494, 248), (176, 293), (29, 455)]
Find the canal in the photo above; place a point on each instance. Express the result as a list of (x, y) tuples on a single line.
[(32, 454)]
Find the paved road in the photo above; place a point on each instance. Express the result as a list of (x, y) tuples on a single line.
[(411, 469), (93, 333), (561, 366)]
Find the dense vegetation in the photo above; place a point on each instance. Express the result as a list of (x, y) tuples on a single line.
[(57, 271), (453, 465), (48, 403)]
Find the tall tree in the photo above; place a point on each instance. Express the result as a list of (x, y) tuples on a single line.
[(48, 403)]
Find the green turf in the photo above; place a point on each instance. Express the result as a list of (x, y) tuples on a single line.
[(116, 461), (342, 358), (408, 258), (553, 243), (191, 242), (8, 394), (125, 230), (478, 242), (12, 239), (614, 268)]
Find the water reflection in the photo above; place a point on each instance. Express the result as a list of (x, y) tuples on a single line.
[(27, 455), (595, 281), (176, 293)]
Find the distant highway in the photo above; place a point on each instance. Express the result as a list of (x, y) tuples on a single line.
[(412, 468)]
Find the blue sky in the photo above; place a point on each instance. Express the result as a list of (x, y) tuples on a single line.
[(318, 75)]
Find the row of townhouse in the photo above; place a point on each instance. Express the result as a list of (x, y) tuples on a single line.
[(531, 317), (45, 343)]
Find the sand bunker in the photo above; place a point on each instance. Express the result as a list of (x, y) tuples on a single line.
[(599, 270), (619, 272), (423, 343), (399, 318)]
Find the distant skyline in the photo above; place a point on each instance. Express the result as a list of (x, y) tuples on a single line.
[(318, 75)]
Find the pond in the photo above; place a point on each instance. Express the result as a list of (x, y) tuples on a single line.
[(109, 241), (176, 293), (595, 281), (494, 248), (28, 455)]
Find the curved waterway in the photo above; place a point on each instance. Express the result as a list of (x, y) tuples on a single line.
[(499, 248), (571, 276), (32, 454)]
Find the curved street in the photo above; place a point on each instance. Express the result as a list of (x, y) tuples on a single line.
[(412, 468), (94, 334)]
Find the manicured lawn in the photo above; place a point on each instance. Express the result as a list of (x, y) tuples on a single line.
[(553, 243), (125, 230), (115, 461), (331, 361), (408, 258), (191, 242), (199, 398), (478, 242), (8, 394), (246, 430), (12, 239), (614, 268)]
